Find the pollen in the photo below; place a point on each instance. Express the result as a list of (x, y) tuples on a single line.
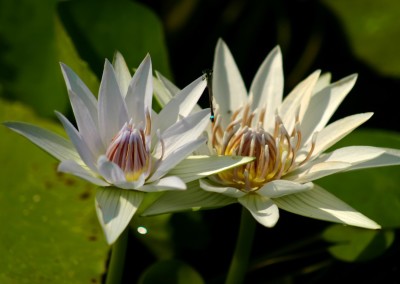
[(277, 153)]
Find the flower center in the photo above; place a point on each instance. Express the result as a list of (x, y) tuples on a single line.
[(276, 153), (130, 150)]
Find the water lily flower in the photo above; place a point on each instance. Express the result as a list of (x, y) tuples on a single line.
[(288, 138), (124, 147)]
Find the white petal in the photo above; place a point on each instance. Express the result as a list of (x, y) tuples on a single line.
[(196, 167), (72, 167), (320, 204), (114, 175), (337, 130), (172, 89), (316, 171), (278, 188), (323, 81), (112, 108), (166, 183), (87, 127), (184, 131), (228, 87), (140, 91), (208, 185), (174, 158), (80, 145), (122, 73), (161, 93), (298, 99), (391, 157), (193, 199), (267, 86), (323, 104), (115, 209), (339, 160), (55, 145), (263, 209), (75, 84), (182, 104)]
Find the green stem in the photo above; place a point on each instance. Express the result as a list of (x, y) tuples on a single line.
[(117, 261), (240, 259)]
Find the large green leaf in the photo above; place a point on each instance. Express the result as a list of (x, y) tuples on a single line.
[(373, 29), (50, 233), (374, 192), (101, 27), (28, 56), (356, 244)]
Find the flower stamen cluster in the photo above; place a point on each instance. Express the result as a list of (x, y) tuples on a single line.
[(276, 154)]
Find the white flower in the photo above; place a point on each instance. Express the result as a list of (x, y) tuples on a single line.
[(121, 145), (288, 138)]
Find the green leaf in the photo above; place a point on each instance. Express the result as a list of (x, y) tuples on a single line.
[(99, 28), (50, 230), (68, 55), (29, 60), (374, 192), (372, 29), (355, 244), (171, 272)]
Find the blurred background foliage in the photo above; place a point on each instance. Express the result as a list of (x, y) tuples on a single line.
[(50, 232)]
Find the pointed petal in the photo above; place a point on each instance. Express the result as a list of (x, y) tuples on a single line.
[(323, 104), (196, 167), (267, 86), (194, 198), (166, 183), (72, 167), (115, 209), (55, 145), (140, 91), (75, 84), (320, 204), (122, 73), (391, 157), (338, 130), (298, 99), (182, 104), (338, 160), (112, 108), (82, 148), (114, 175), (323, 81), (182, 132), (174, 158), (228, 86), (278, 188), (87, 127), (263, 209), (172, 89), (210, 186), (317, 171)]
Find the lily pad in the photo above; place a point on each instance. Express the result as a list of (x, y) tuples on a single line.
[(373, 29), (356, 244), (99, 28), (374, 192), (50, 230)]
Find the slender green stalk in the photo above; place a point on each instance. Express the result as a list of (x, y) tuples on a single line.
[(117, 261), (240, 259)]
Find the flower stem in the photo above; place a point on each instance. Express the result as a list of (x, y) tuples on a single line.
[(117, 261), (240, 259)]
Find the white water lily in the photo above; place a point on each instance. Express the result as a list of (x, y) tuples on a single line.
[(288, 138), (121, 145)]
